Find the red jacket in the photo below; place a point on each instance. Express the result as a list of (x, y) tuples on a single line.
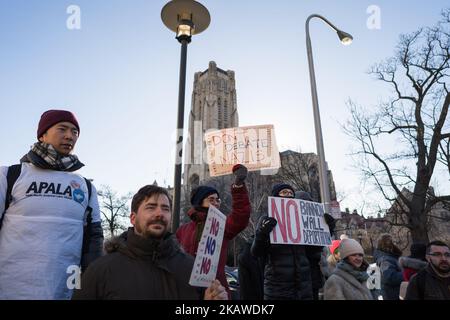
[(236, 221)]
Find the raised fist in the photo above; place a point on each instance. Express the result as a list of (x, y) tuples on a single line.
[(240, 172)]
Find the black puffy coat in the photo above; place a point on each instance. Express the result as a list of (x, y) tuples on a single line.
[(137, 268), (287, 274), (251, 274)]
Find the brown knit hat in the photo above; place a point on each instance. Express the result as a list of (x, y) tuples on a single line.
[(349, 247), (51, 117)]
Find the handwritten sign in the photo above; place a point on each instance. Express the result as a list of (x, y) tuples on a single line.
[(299, 222), (255, 147), (208, 252), (335, 209)]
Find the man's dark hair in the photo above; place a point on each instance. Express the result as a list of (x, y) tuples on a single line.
[(146, 192), (436, 243)]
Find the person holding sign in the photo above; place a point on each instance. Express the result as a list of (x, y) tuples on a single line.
[(287, 274), (145, 262), (348, 281), (201, 198)]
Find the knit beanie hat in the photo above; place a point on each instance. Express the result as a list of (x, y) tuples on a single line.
[(51, 117), (334, 245), (200, 193), (349, 247), (280, 186)]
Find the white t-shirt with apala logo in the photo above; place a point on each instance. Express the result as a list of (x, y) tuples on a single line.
[(42, 232)]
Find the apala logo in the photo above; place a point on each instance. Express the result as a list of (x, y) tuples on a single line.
[(78, 194), (50, 189)]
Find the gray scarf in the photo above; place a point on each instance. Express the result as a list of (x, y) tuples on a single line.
[(361, 276)]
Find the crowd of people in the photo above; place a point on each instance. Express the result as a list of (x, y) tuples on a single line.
[(50, 233)]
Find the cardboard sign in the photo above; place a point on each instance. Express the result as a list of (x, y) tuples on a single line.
[(299, 222), (335, 209), (208, 252), (255, 147)]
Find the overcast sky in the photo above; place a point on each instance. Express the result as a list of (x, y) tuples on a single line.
[(119, 74)]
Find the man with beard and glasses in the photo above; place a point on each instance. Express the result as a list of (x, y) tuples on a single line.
[(49, 216), (145, 262), (433, 282)]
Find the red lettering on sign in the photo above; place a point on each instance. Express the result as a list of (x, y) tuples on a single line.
[(292, 209), (280, 219)]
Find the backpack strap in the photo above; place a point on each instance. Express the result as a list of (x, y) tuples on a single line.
[(11, 178), (88, 208), (86, 229)]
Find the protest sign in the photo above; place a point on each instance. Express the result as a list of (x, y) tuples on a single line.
[(299, 222), (254, 146), (335, 210), (208, 252)]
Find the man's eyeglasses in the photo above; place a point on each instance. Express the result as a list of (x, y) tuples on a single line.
[(440, 254)]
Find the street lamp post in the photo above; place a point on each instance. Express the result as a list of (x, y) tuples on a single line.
[(186, 18), (323, 177)]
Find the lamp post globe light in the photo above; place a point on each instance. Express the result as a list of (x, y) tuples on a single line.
[(346, 39), (185, 18)]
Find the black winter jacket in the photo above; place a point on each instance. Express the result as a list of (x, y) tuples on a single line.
[(428, 285), (287, 275), (138, 268)]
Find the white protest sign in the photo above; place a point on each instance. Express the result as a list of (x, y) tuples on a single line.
[(298, 222), (374, 281), (335, 209), (208, 252), (254, 146)]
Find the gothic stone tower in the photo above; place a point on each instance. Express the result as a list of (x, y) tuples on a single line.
[(213, 106)]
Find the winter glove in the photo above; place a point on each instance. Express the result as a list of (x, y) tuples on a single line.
[(266, 226), (240, 173), (331, 222)]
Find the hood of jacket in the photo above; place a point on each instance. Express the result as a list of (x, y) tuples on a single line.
[(412, 263)]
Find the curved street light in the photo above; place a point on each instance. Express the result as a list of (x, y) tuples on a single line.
[(185, 18), (346, 39)]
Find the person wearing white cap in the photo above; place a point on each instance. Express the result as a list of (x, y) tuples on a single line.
[(348, 281)]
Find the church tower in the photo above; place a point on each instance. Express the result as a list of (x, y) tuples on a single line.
[(213, 107)]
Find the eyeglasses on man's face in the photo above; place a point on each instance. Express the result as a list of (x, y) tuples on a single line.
[(440, 254)]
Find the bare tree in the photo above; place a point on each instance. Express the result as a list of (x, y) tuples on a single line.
[(413, 122), (114, 209), (301, 171)]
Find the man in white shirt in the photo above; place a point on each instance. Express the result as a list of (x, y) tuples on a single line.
[(50, 221)]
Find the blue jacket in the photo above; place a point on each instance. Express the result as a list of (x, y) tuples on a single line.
[(391, 274)]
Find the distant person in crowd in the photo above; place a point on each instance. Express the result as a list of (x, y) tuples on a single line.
[(386, 257), (334, 256), (49, 215), (433, 282), (348, 281), (415, 262), (411, 265), (145, 262), (202, 197)]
